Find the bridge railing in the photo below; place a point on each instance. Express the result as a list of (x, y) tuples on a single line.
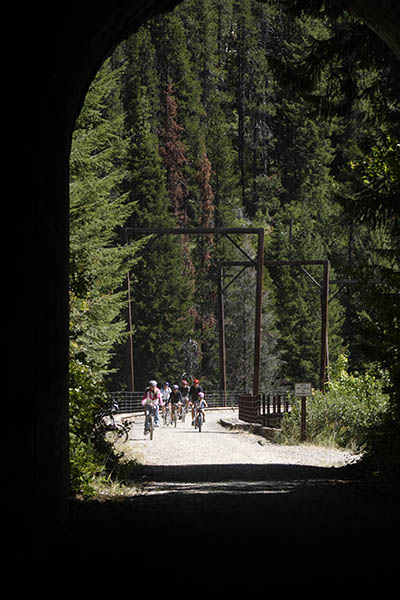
[(131, 402), (268, 408)]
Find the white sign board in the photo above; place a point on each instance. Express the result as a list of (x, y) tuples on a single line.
[(302, 389)]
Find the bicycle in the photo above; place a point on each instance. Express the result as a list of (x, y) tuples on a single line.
[(126, 425), (105, 422), (166, 414), (199, 419), (149, 420), (183, 412), (175, 413)]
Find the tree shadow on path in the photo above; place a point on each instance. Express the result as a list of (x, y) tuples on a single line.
[(235, 514)]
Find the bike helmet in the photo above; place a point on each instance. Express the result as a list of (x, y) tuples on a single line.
[(184, 382), (196, 381), (152, 383), (175, 387), (200, 395), (166, 383)]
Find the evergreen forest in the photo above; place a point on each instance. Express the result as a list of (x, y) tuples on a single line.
[(227, 113)]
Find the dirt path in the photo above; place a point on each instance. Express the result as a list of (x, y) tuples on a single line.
[(216, 445), (235, 498)]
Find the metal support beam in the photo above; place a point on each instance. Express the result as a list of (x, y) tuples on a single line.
[(131, 354), (324, 326), (257, 336), (130, 334), (295, 263), (258, 263), (244, 266), (221, 332), (192, 230), (324, 352), (233, 279)]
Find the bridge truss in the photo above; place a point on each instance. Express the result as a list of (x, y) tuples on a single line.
[(257, 263)]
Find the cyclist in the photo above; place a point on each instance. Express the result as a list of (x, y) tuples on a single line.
[(185, 389), (175, 400), (165, 394), (201, 404), (195, 388), (151, 401)]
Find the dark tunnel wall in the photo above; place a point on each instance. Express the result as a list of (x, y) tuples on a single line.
[(50, 62)]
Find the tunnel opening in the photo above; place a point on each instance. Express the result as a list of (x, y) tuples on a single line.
[(63, 95)]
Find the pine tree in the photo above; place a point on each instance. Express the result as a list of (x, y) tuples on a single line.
[(139, 55), (161, 291), (175, 66), (98, 267), (220, 120), (173, 154), (98, 209), (237, 135)]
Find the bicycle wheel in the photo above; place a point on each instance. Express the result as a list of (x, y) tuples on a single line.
[(200, 422), (122, 431), (151, 423), (174, 418)]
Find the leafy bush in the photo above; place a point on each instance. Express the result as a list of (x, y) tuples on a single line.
[(345, 413), (86, 467), (88, 455)]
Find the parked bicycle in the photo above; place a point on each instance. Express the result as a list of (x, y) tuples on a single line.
[(105, 422)]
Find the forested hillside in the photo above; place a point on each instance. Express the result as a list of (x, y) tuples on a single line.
[(228, 113), (222, 133)]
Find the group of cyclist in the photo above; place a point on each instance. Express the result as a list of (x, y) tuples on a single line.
[(176, 398)]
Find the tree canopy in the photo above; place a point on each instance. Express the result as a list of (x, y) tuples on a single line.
[(274, 114)]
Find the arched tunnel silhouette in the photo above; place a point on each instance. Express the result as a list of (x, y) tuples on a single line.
[(61, 55)]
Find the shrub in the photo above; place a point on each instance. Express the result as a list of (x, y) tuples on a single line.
[(343, 415), (87, 454), (86, 468)]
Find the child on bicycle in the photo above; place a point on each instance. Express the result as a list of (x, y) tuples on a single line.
[(175, 400), (185, 389), (195, 389), (165, 394), (151, 401), (201, 404)]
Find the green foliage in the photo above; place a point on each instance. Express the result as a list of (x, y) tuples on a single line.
[(98, 264), (85, 467), (251, 85), (225, 113), (98, 268), (344, 415), (378, 185), (161, 281), (86, 459)]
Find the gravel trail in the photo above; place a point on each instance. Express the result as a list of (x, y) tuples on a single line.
[(247, 507), (216, 445)]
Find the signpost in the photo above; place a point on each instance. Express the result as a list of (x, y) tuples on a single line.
[(303, 390)]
